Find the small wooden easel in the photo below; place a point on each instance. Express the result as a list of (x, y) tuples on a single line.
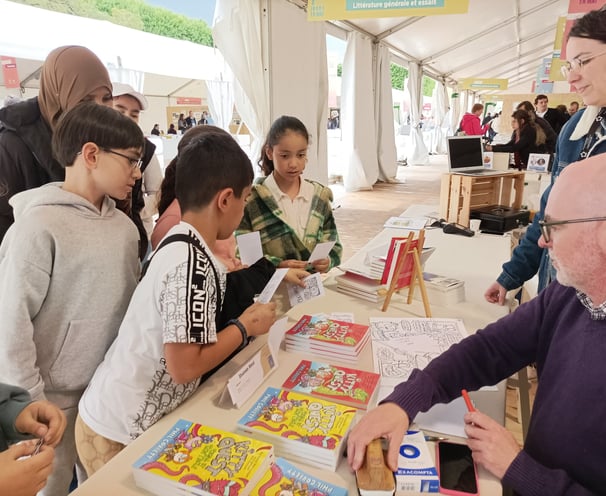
[(409, 253)]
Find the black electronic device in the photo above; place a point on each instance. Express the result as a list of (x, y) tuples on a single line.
[(453, 228), (456, 469), (500, 219)]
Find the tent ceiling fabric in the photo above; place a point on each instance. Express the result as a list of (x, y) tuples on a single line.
[(495, 39)]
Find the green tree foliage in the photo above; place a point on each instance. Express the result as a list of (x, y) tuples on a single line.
[(398, 76), (134, 14), (339, 70), (428, 85)]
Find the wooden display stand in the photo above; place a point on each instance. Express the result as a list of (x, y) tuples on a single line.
[(409, 253), (459, 193)]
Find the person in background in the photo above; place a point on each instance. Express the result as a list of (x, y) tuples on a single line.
[(555, 118), (584, 135), (550, 135), (69, 75), (142, 207), (573, 108), (20, 419), (156, 130), (564, 111), (527, 138), (181, 124), (190, 121), (172, 320), (204, 118), (292, 214), (470, 123), (562, 330), (171, 129), (68, 267)]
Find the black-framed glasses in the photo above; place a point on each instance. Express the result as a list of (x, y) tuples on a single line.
[(577, 64), (547, 225), (135, 163)]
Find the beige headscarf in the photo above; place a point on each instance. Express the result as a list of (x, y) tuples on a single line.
[(69, 74)]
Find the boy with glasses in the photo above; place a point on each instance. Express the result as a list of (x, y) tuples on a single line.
[(68, 266)]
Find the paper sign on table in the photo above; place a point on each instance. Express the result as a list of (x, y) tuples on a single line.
[(321, 251), (249, 247), (245, 381), (313, 288)]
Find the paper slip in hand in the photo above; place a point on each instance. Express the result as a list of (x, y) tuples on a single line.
[(313, 289), (271, 286), (249, 246), (242, 385), (321, 251)]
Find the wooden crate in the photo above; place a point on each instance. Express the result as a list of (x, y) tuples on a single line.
[(461, 193)]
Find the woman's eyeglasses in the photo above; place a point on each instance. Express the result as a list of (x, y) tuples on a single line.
[(577, 64)]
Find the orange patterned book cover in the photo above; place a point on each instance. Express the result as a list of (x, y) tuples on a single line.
[(202, 460), (336, 383), (298, 425)]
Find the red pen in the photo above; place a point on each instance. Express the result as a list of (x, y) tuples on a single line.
[(467, 399)]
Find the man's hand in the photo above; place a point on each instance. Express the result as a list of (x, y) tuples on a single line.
[(258, 318), (25, 477), (495, 294), (388, 421), (292, 264), (321, 265), (42, 419), (493, 446), (296, 276)]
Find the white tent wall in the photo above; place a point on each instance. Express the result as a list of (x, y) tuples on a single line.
[(384, 118), (417, 152), (299, 78), (358, 114), (442, 128)]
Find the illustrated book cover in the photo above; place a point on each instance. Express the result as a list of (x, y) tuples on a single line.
[(300, 426), (349, 386), (192, 458), (285, 479)]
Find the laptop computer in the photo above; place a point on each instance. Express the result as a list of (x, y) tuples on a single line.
[(466, 156)]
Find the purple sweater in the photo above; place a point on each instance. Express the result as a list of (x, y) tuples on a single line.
[(565, 450)]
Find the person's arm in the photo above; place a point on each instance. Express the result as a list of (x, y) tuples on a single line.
[(152, 180), (187, 362), (25, 477), (12, 153), (329, 230), (42, 419), (13, 400)]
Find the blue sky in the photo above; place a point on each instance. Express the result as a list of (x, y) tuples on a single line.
[(196, 9)]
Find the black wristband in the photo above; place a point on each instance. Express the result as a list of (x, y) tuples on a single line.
[(242, 330)]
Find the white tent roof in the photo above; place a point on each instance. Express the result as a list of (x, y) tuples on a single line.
[(172, 67), (495, 39)]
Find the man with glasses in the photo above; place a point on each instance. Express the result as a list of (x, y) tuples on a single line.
[(584, 135), (563, 331)]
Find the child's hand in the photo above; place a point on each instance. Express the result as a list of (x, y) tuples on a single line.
[(258, 318), (25, 477), (296, 276), (292, 264), (42, 419), (321, 265)]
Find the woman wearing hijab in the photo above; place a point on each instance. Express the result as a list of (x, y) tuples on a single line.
[(70, 75)]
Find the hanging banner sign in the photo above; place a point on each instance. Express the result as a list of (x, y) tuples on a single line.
[(188, 100), (323, 10), (9, 72), (484, 84), (584, 6)]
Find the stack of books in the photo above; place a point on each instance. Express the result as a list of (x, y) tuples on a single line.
[(300, 427), (442, 290), (361, 286), (351, 387), (200, 460), (321, 336), (284, 479)]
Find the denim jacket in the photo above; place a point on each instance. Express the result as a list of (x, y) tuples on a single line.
[(528, 258)]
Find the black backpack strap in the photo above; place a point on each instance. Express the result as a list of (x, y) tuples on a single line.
[(186, 238)]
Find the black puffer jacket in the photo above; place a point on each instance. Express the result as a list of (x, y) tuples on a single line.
[(26, 159)]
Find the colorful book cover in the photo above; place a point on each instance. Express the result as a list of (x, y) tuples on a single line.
[(399, 248), (325, 331), (284, 479), (340, 384), (202, 458), (292, 419)]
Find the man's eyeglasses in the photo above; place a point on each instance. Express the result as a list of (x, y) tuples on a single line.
[(577, 64), (546, 225), (135, 163)]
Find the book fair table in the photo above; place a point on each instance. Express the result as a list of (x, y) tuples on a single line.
[(475, 260)]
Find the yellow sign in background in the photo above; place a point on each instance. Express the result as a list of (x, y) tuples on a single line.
[(323, 10)]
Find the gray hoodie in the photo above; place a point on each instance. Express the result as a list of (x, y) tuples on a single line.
[(67, 272)]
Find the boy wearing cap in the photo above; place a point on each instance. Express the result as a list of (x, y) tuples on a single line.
[(144, 206)]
